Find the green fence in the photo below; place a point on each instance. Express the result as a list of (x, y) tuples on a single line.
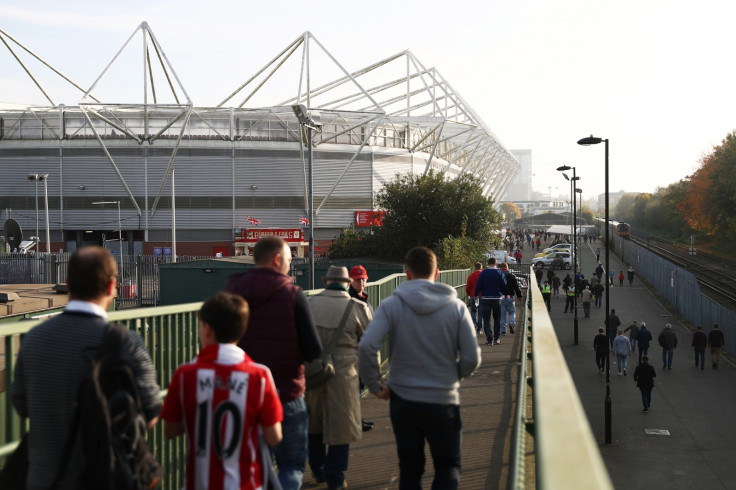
[(170, 333)]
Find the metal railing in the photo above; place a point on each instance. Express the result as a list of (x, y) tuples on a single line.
[(557, 417), (171, 336)]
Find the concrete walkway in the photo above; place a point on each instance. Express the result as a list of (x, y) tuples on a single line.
[(487, 403)]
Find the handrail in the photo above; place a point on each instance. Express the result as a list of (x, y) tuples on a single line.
[(559, 416), (517, 466)]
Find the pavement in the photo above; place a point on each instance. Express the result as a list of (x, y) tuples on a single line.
[(688, 438), (487, 406)]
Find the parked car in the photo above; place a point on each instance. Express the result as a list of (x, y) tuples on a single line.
[(559, 260), (560, 247), (501, 256)]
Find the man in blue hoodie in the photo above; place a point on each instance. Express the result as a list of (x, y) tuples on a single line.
[(490, 287), (432, 346)]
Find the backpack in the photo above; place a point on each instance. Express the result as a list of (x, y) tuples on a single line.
[(112, 426), (509, 289)]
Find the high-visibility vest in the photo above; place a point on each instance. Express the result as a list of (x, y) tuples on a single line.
[(546, 289), (571, 292)]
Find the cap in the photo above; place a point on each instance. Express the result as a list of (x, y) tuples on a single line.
[(335, 273), (358, 272)]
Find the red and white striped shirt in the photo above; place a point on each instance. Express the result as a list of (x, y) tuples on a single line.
[(222, 397)]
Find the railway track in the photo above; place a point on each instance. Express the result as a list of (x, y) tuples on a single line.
[(715, 274)]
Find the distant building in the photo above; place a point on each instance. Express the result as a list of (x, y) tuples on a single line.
[(521, 188), (613, 199)]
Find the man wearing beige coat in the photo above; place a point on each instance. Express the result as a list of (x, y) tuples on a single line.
[(334, 408)]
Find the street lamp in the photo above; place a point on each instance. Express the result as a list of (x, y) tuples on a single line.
[(120, 238), (42, 178), (592, 140), (309, 121), (574, 257)]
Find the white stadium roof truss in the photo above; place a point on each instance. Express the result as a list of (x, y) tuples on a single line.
[(397, 99)]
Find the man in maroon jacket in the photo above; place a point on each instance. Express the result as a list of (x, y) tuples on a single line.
[(281, 335)]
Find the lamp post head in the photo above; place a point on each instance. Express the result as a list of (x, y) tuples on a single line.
[(579, 191), (591, 140), (565, 175), (563, 168)]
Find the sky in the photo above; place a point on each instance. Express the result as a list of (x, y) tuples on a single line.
[(655, 77)]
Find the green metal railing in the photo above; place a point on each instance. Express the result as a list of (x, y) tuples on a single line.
[(171, 336), (557, 416)]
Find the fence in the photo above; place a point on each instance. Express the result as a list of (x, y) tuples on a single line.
[(138, 283), (681, 289)]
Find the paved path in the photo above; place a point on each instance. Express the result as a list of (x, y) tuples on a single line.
[(696, 407), (488, 401)]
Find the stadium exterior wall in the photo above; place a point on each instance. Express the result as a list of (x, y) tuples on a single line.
[(217, 185)]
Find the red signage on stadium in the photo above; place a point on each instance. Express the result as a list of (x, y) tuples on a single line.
[(252, 235), (369, 218)]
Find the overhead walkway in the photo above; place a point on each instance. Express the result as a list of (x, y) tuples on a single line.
[(546, 444)]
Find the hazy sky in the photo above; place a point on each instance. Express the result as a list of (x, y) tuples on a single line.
[(655, 77)]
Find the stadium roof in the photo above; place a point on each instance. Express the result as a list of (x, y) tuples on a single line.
[(398, 92)]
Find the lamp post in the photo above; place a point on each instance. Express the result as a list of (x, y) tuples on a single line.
[(309, 121), (574, 255), (42, 178), (592, 140), (120, 237)]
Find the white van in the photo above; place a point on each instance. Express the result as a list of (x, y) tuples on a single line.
[(501, 256)]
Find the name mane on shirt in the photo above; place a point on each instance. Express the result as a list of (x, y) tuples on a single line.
[(228, 384)]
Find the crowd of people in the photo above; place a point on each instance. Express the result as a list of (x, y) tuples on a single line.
[(244, 398), (641, 337)]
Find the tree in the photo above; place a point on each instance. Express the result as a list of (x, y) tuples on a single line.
[(350, 243), (510, 211), (425, 209), (714, 190), (587, 215)]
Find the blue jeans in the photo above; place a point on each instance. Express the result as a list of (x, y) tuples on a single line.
[(507, 306), (646, 397), (291, 453), (440, 425), (700, 354), (667, 357), (621, 361), (328, 463), (633, 343), (473, 311), (643, 351), (486, 307)]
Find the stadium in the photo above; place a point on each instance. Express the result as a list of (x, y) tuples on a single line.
[(177, 178)]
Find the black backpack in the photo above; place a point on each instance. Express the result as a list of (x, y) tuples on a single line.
[(112, 425)]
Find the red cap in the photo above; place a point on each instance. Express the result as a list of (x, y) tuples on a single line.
[(358, 272)]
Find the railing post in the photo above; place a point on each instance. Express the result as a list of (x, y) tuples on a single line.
[(139, 279), (54, 270)]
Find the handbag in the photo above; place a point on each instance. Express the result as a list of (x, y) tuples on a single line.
[(318, 371)]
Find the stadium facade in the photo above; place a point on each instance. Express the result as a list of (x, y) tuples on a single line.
[(201, 177)]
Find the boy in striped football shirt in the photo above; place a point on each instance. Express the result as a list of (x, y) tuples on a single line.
[(220, 400)]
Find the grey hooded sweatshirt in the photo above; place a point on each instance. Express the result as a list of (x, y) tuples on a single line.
[(432, 343)]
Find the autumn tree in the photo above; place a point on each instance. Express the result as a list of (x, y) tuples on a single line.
[(712, 193), (587, 214), (510, 211)]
